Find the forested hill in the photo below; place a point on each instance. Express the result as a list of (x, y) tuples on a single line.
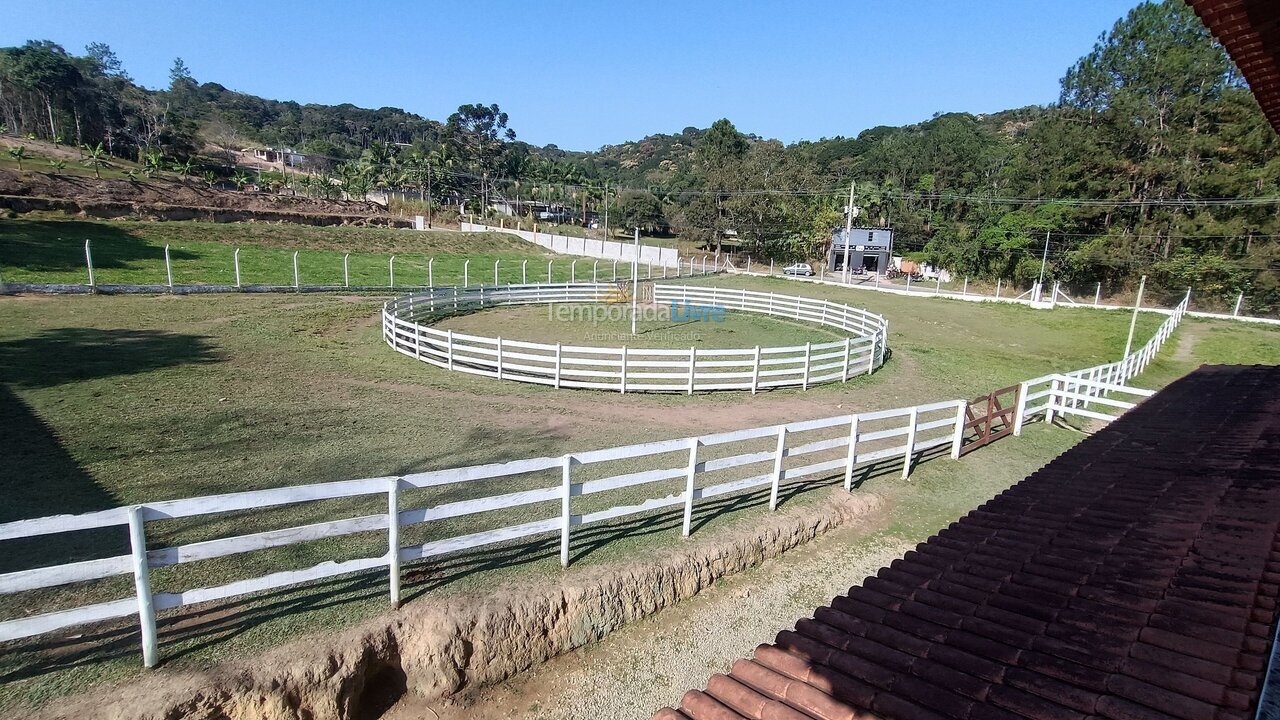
[(1156, 160)]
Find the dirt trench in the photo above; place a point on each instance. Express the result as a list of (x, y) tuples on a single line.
[(435, 648)]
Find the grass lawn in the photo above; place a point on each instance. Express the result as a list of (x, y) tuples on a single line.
[(132, 252), (115, 400)]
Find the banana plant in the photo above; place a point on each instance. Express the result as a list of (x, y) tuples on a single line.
[(18, 153), (95, 157)]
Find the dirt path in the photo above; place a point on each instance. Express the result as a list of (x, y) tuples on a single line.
[(650, 664), (1188, 335)]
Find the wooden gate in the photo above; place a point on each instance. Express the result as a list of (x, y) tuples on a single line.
[(989, 417)]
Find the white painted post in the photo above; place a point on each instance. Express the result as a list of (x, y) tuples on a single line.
[(448, 337), (558, 353), (296, 282), (871, 356), (573, 271), (937, 290), (595, 271), (664, 271), (748, 263), (770, 266), (142, 587), (844, 369), (466, 272), (235, 259), (804, 382), (615, 271), (755, 372), (1234, 313), (689, 482), (965, 291), (495, 271), (1053, 398), (431, 273), (499, 357), (908, 283), (1097, 295), (88, 261), (549, 276), (1019, 417), (524, 272), (778, 454), (622, 386), (393, 540), (958, 438), (693, 361), (911, 443), (566, 518), (852, 459), (168, 268), (998, 282)]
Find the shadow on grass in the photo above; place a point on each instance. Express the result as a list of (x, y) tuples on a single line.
[(58, 246), (64, 355), (187, 633)]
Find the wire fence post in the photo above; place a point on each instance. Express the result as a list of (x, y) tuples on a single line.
[(142, 587), (393, 540), (466, 272), (1234, 313), (346, 270), (595, 271), (88, 261), (296, 282), (431, 273), (235, 259), (937, 289), (391, 271), (615, 271), (1097, 295), (566, 517), (573, 271), (779, 453), (852, 458), (911, 443), (549, 262), (689, 483), (998, 282), (168, 268), (965, 291), (755, 372)]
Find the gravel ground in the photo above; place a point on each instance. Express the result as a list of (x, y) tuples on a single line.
[(650, 664)]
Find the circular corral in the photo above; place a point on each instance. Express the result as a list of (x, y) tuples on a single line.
[(407, 328)]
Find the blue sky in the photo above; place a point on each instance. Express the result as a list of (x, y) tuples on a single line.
[(582, 75)]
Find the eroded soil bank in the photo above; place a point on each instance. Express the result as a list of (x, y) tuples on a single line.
[(434, 648)]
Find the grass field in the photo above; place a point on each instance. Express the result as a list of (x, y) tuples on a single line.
[(132, 252), (116, 400)]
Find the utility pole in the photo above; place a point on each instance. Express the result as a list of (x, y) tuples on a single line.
[(1044, 258), (635, 280), (428, 194), (606, 209), (1133, 322), (848, 233)]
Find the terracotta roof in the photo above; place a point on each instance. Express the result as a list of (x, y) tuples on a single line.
[(1133, 578), (1250, 31)]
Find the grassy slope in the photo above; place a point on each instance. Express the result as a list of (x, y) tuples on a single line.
[(127, 399), (52, 251)]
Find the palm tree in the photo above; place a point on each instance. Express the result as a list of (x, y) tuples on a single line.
[(95, 157), (18, 153)]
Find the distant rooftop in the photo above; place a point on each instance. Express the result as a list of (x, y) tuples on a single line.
[(1133, 578)]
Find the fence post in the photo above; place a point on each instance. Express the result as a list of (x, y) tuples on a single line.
[(466, 272), (689, 485), (557, 381), (1053, 397), (1234, 313), (998, 282), (88, 261), (1019, 416), (844, 367), (168, 268), (908, 283), (393, 540), (911, 443), (549, 263), (853, 453), (770, 266), (965, 291), (778, 454), (693, 361), (296, 283), (622, 387), (664, 272), (524, 272), (431, 273), (1097, 295), (448, 334), (142, 586), (391, 271), (566, 518), (573, 271), (235, 259), (755, 372), (871, 357), (937, 290), (595, 271), (499, 357), (748, 263), (804, 383), (958, 439), (495, 271), (615, 271)]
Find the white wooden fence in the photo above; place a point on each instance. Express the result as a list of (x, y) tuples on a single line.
[(631, 369), (587, 247), (705, 467)]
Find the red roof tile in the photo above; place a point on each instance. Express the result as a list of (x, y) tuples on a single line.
[(1133, 578)]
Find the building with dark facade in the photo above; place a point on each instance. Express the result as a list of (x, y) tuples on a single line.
[(869, 248)]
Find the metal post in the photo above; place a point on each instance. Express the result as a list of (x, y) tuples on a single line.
[(235, 258), (524, 272), (848, 233), (965, 291), (689, 482), (168, 268), (566, 518), (466, 272), (615, 271), (770, 266), (755, 372), (88, 261), (635, 280), (1097, 295), (1043, 260), (852, 458), (391, 271), (573, 271), (1133, 322), (346, 270), (495, 271), (296, 283), (937, 290), (998, 281), (778, 454), (142, 586), (595, 271), (1234, 313), (549, 262), (431, 273), (393, 540)]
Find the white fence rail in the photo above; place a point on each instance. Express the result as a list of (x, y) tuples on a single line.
[(707, 466), (638, 369), (587, 247)]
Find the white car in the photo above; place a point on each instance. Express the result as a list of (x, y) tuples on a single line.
[(798, 269)]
